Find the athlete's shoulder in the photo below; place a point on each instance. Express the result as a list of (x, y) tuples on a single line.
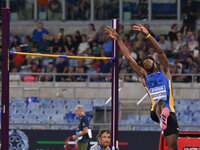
[(94, 147)]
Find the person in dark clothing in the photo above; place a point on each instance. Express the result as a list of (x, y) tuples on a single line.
[(173, 33), (189, 15), (82, 134)]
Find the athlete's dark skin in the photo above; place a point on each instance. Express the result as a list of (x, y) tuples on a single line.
[(148, 64)]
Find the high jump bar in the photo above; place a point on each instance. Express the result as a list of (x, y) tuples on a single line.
[(61, 56)]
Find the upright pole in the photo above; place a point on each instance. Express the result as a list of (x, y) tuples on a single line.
[(5, 80), (115, 86)]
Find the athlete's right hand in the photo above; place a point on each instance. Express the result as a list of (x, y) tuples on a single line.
[(111, 33), (140, 28)]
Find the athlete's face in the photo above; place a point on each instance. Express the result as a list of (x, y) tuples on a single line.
[(78, 112), (104, 140), (148, 64)]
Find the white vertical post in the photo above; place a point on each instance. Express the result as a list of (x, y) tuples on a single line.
[(92, 10), (149, 10), (121, 9), (7, 3), (63, 10), (179, 10), (35, 10)]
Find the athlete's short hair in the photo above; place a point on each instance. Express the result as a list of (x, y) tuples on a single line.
[(102, 131), (79, 107)]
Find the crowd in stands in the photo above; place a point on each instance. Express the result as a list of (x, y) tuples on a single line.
[(181, 48)]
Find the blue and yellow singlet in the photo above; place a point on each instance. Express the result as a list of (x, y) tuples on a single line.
[(159, 87)]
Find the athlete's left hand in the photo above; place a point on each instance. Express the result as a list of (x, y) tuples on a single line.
[(140, 28)]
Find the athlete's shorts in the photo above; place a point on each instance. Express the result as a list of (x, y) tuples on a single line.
[(172, 123)]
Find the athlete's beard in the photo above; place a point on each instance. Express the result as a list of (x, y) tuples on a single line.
[(150, 71)]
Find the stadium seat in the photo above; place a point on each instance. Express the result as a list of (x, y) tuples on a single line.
[(33, 106), (187, 102), (85, 101), (70, 117), (45, 118), (18, 100), (143, 118), (22, 111), (99, 103), (46, 106), (72, 101), (17, 118), (57, 118), (45, 100), (59, 101), (31, 118)]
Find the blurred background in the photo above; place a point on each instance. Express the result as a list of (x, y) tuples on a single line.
[(45, 91)]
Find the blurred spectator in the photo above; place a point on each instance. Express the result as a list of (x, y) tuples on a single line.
[(152, 53), (28, 41), (55, 8), (18, 60), (43, 77), (16, 42), (140, 55), (139, 44), (43, 45), (89, 62), (100, 34), (173, 33), (198, 37), (83, 9), (104, 66), (61, 67), (37, 33), (50, 67), (83, 45), (195, 53), (56, 46), (30, 59), (177, 45), (61, 34), (189, 15), (165, 45), (184, 54), (70, 47), (80, 78), (192, 44), (14, 77), (77, 38), (21, 6), (107, 46), (70, 78), (191, 63), (71, 9), (92, 33), (43, 7), (0, 36), (95, 49), (121, 31), (126, 41), (95, 78)]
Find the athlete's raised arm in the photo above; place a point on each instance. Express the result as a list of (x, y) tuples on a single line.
[(164, 65), (137, 69)]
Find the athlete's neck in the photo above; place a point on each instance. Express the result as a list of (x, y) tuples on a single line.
[(154, 71)]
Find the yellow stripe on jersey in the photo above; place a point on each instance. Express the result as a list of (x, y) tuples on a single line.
[(153, 103), (171, 100)]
